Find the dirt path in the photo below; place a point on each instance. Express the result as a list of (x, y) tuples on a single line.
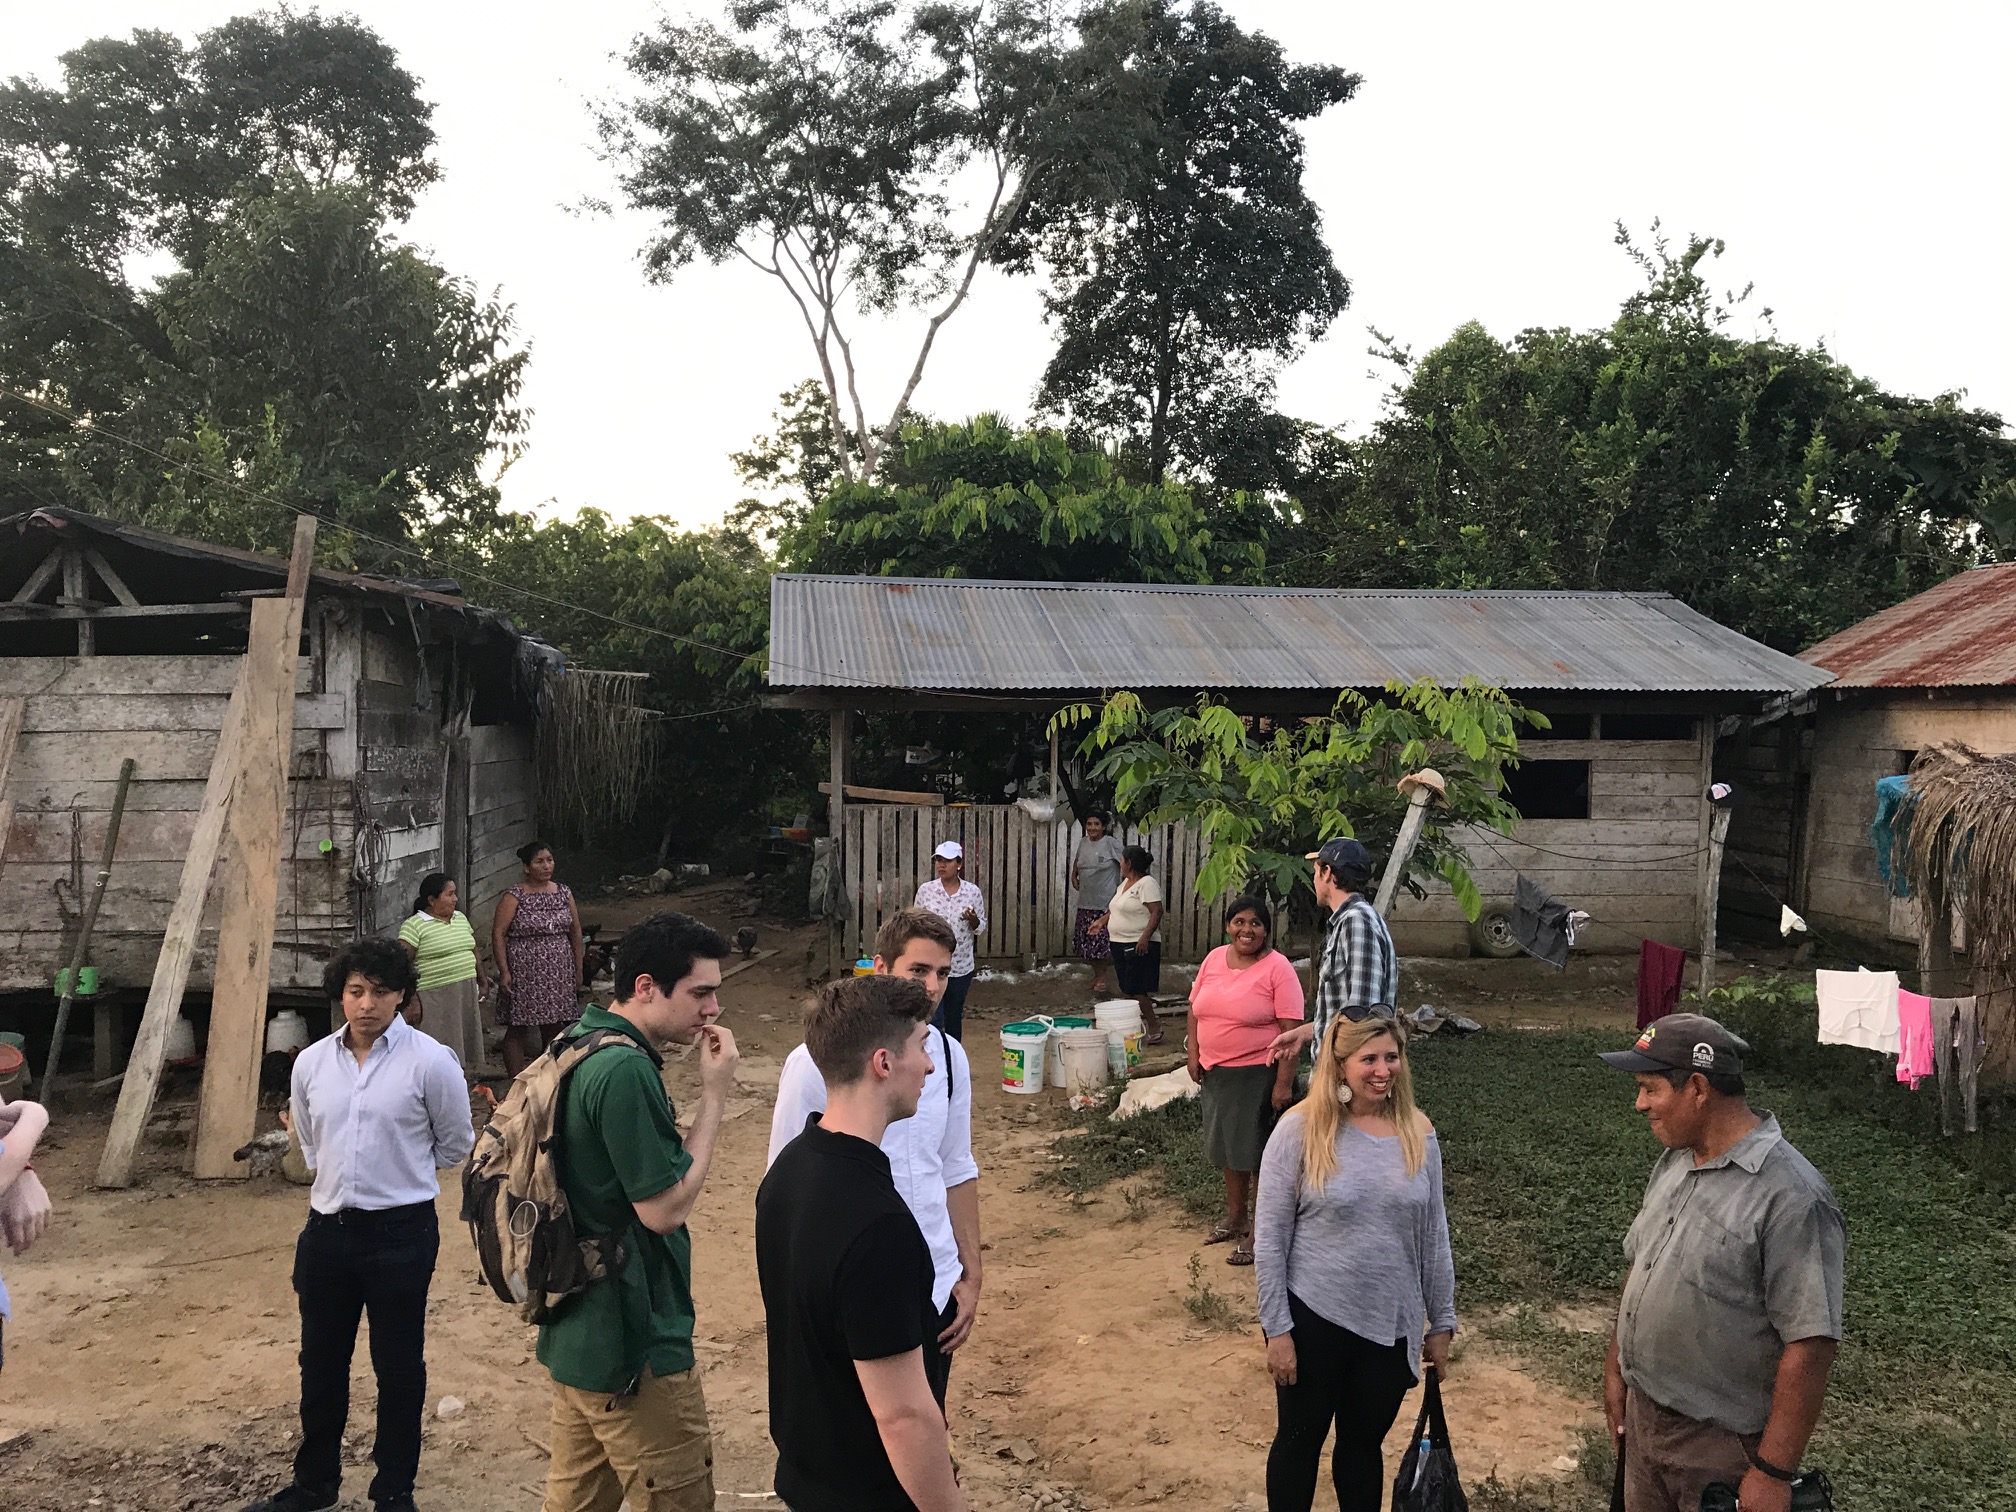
[(151, 1364)]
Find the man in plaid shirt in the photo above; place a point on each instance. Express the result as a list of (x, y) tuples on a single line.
[(1358, 974)]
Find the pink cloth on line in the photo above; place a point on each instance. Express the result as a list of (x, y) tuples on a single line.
[(1915, 1053)]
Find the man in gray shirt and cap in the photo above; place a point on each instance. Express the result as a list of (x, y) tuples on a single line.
[(1731, 1313)]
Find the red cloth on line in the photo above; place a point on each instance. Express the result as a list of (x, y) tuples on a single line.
[(1659, 968)]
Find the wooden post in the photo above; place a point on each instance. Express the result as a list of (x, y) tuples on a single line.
[(75, 595), (12, 712), (1421, 788), (178, 950), (84, 928), (836, 825), (253, 833), (1711, 897)]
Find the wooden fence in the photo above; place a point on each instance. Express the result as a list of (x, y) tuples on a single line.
[(1023, 868)]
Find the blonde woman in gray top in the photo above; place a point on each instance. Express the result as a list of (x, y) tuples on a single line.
[(1351, 1250)]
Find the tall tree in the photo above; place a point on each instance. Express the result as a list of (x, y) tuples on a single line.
[(1178, 299), (1763, 483), (830, 145), (294, 337)]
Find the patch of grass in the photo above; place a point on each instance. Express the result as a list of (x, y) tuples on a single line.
[(1545, 1164), (1208, 1305)]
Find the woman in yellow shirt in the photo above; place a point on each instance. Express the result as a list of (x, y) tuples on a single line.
[(442, 943)]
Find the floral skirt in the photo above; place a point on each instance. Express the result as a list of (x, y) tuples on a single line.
[(1087, 943)]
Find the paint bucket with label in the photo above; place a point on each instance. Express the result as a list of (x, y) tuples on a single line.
[(1022, 1046), (1121, 1019)]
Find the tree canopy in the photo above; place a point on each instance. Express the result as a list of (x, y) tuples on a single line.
[(830, 144), (293, 339), (985, 499), (1179, 291), (1763, 483)]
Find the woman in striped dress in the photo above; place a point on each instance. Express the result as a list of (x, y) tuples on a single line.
[(452, 986)]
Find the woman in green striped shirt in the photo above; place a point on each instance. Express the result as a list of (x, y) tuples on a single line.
[(452, 983)]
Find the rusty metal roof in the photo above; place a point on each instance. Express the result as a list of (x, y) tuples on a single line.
[(1961, 634), (971, 634)]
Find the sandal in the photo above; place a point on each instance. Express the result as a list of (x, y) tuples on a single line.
[(1223, 1232), (1242, 1253), (1153, 1036)]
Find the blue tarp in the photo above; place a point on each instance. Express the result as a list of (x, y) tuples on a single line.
[(1891, 829)]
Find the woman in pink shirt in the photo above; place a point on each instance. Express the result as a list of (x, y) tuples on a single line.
[(1245, 994)]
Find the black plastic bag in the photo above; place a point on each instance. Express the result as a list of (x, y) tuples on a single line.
[(1810, 1493), (1427, 1481)]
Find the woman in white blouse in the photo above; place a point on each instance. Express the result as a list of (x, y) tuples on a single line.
[(959, 903)]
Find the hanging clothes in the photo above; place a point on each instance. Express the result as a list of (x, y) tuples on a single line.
[(1858, 1008), (1540, 923), (1890, 830), (1915, 1055), (1957, 1043), (1789, 921), (1659, 971)]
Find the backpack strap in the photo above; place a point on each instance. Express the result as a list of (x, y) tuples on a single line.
[(945, 1044)]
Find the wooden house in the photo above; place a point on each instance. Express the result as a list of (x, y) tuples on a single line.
[(1617, 817), (412, 745), (1937, 667)]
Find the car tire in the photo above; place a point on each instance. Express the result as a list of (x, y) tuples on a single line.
[(1491, 933)]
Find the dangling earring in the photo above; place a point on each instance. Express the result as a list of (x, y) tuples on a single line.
[(1344, 1092)]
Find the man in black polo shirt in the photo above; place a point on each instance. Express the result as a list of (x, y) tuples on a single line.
[(846, 1274)]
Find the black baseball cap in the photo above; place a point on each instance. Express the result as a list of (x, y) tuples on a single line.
[(1343, 856), (1682, 1042)]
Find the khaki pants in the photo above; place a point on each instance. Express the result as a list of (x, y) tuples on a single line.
[(1669, 1459), (652, 1449)]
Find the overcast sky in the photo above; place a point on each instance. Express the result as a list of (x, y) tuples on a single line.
[(1854, 157)]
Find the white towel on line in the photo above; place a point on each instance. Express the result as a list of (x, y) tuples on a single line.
[(1859, 1008)]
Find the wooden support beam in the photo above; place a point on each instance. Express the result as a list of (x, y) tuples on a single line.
[(12, 712), (888, 795), (1711, 896), (39, 578), (253, 832), (837, 721), (178, 951), (73, 591), (16, 611), (110, 578)]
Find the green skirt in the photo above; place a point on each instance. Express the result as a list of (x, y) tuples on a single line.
[(1238, 1103)]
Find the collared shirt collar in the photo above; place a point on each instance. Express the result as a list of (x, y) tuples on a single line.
[(594, 1016), (394, 1035), (852, 1146), (1750, 1151)]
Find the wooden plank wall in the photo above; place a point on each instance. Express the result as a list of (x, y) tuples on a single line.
[(1022, 867), (1770, 767), (84, 715), (1855, 742), (500, 816), (1634, 863)]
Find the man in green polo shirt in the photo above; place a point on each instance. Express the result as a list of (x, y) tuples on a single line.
[(629, 1420)]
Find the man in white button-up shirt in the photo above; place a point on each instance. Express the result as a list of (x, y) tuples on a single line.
[(930, 1154), (380, 1108)]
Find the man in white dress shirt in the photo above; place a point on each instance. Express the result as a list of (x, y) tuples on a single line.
[(930, 1154), (380, 1108)]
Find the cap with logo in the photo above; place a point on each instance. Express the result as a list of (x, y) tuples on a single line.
[(1682, 1042), (1342, 855), (949, 850)]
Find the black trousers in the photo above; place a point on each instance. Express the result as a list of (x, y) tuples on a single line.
[(1341, 1377), (937, 1363), (345, 1266)]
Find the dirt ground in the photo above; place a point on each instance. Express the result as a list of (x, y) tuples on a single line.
[(150, 1365)]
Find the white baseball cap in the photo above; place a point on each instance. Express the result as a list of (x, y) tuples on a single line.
[(949, 850)]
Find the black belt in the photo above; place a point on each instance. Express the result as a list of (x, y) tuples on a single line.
[(370, 1217)]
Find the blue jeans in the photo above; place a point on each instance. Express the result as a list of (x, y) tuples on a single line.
[(951, 1014)]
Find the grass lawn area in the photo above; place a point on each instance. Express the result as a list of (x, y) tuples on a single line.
[(1546, 1162)]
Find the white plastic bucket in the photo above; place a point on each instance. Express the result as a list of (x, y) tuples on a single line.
[(1120, 1020), (1081, 1053), (1053, 1065), (1022, 1056), (286, 1031)]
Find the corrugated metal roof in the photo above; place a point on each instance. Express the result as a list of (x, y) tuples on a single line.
[(970, 634), (1961, 634)]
